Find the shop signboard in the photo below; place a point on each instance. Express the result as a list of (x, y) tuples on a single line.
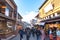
[(48, 7)]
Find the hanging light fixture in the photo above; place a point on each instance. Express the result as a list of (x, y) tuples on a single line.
[(3, 6)]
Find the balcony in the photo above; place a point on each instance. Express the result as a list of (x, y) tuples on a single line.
[(4, 16)]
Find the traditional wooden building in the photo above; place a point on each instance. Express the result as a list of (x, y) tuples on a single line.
[(50, 13), (38, 19), (19, 21), (8, 11)]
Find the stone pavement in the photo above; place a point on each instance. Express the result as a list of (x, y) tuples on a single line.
[(9, 37), (24, 38)]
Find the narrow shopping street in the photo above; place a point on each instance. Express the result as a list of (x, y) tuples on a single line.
[(30, 19)]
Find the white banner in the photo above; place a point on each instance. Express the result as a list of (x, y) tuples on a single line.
[(48, 7)]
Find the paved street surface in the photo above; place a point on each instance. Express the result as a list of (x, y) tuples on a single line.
[(24, 38)]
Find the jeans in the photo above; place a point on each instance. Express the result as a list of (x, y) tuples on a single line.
[(27, 37), (38, 37), (21, 37)]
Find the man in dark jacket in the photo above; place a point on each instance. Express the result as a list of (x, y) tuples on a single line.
[(28, 32), (38, 34), (21, 32), (33, 31), (54, 33)]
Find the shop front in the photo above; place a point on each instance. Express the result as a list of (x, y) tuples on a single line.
[(8, 11), (6, 27), (51, 23)]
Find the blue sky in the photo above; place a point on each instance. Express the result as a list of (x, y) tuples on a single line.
[(28, 8)]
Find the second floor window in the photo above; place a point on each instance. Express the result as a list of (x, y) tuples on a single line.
[(7, 12)]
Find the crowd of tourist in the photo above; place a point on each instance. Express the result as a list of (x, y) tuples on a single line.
[(41, 33)]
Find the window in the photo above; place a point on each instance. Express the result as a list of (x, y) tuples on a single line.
[(7, 12), (49, 16), (10, 13), (55, 14), (52, 16), (15, 14), (58, 14), (46, 17)]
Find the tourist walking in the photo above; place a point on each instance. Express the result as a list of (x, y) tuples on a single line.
[(21, 34), (43, 33), (50, 34), (20, 31), (38, 33), (33, 31), (28, 33), (58, 34), (54, 33)]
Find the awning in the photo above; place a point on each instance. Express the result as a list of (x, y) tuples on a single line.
[(42, 23), (55, 19)]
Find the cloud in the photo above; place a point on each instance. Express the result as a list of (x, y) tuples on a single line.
[(30, 15)]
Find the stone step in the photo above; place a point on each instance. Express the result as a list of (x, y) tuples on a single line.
[(9, 37)]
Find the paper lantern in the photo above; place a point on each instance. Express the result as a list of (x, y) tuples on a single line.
[(3, 6)]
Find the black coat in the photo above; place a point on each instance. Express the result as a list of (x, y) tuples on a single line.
[(28, 32), (38, 32), (21, 32)]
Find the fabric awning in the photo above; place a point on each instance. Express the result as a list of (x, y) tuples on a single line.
[(42, 23)]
